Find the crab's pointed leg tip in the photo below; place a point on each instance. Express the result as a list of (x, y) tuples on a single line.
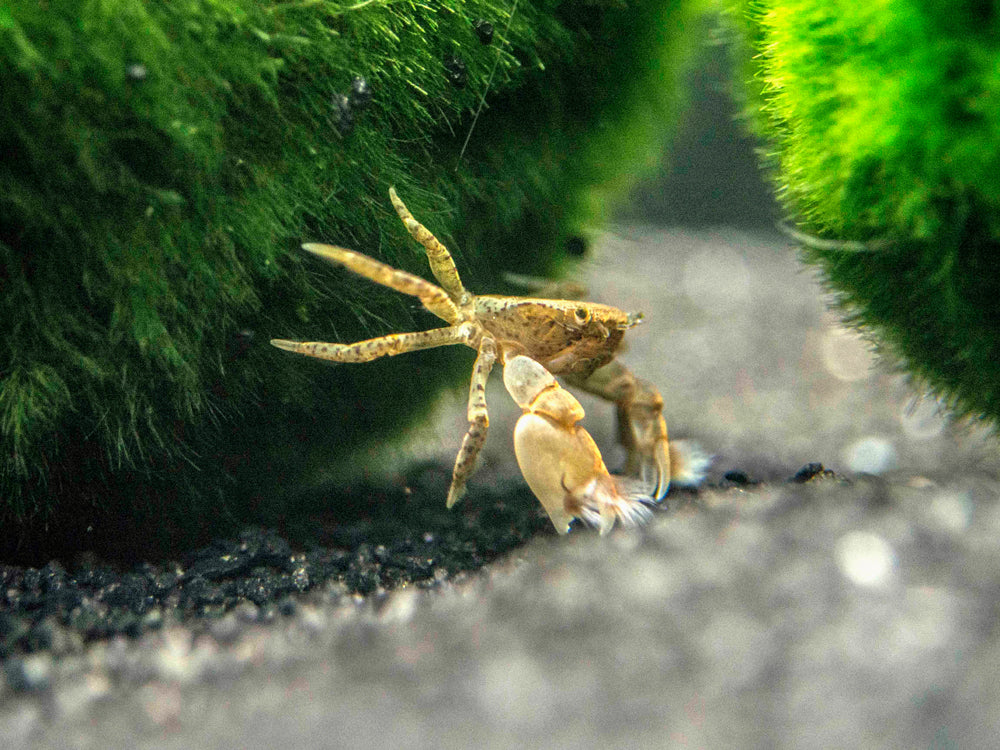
[(453, 497), (288, 346), (331, 253), (662, 486)]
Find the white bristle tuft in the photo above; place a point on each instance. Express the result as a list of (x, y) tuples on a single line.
[(688, 463), (618, 499)]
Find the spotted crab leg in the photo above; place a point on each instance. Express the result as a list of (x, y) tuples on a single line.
[(641, 427), (442, 264), (479, 421), (383, 346)]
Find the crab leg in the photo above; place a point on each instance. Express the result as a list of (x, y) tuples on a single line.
[(383, 346), (442, 264), (641, 427), (479, 421), (432, 297)]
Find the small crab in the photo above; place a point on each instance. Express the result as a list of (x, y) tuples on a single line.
[(534, 339)]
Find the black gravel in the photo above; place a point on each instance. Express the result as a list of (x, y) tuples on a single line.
[(367, 543), (370, 542), (810, 472)]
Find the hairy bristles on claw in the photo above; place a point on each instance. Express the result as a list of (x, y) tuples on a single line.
[(607, 499), (688, 463)]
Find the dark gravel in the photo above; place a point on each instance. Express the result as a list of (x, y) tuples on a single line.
[(259, 573), (404, 541), (825, 613)]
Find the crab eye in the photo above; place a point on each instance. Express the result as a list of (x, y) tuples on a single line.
[(581, 314)]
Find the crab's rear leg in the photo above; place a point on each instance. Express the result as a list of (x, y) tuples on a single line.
[(383, 346), (641, 427), (479, 421), (442, 264)]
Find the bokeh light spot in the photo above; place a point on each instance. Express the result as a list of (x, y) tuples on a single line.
[(866, 559)]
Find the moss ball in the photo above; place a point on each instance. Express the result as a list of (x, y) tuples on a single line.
[(880, 125)]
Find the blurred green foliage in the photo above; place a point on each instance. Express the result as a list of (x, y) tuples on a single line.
[(880, 124)]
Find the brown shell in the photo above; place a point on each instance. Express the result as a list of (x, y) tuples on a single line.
[(566, 337)]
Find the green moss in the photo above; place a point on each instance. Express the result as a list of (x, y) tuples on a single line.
[(163, 161), (880, 123)]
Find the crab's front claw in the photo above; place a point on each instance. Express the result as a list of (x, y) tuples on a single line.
[(559, 459), (644, 433), (660, 462), (652, 455)]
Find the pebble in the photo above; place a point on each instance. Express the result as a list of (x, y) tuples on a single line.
[(29, 673)]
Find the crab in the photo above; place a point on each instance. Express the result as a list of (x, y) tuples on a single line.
[(534, 339)]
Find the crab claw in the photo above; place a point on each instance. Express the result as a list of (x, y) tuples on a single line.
[(560, 460), (650, 454), (672, 462), (658, 460)]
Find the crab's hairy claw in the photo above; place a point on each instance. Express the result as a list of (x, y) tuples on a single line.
[(442, 264), (479, 421), (432, 297), (641, 427), (552, 459), (644, 430), (560, 460), (383, 346)]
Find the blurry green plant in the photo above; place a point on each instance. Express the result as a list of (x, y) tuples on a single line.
[(163, 160), (881, 127)]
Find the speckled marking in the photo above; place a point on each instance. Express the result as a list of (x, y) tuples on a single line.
[(442, 264)]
